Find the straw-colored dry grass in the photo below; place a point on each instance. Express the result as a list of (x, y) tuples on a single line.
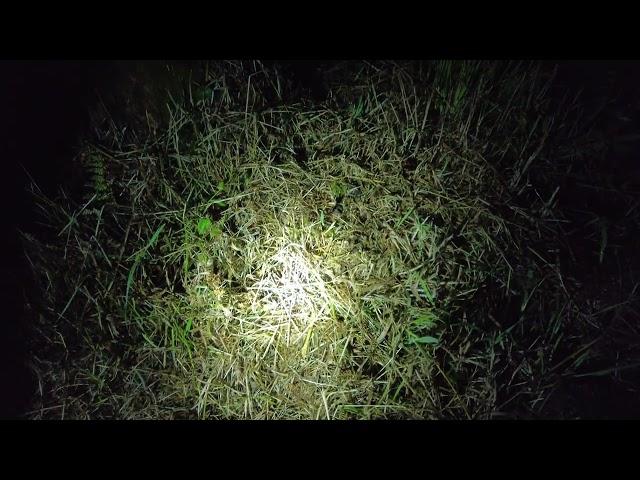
[(343, 260)]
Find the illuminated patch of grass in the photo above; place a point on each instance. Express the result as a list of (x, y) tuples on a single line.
[(344, 260)]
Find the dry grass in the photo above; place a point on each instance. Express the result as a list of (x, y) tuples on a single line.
[(343, 260)]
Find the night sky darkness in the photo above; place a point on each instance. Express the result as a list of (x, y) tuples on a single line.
[(44, 111)]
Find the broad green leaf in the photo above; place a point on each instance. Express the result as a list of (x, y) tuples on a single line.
[(204, 226), (426, 340)]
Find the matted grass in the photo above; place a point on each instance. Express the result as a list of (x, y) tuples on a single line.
[(383, 254)]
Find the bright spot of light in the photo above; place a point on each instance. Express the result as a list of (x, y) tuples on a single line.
[(291, 288)]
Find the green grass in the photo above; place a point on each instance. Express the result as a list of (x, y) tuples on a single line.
[(215, 271)]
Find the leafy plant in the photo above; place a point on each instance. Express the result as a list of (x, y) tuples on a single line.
[(413, 339), (207, 228)]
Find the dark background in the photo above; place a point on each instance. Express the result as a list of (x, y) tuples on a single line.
[(44, 111)]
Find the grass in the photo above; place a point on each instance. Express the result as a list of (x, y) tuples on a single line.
[(391, 252)]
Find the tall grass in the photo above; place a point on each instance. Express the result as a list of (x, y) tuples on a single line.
[(394, 251)]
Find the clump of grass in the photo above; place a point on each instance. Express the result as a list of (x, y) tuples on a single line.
[(385, 254)]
